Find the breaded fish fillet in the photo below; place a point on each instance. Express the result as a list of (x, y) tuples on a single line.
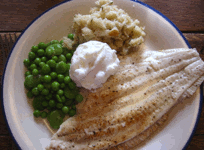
[(147, 85)]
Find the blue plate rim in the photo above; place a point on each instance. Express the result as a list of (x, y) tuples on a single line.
[(142, 3)]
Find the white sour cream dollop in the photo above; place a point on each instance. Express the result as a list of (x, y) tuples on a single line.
[(92, 64)]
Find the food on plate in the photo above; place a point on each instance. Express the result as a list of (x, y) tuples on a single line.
[(133, 101), (68, 41), (132, 143), (48, 81), (92, 64), (109, 24), (129, 101)]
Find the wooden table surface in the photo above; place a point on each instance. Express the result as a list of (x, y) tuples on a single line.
[(187, 15)]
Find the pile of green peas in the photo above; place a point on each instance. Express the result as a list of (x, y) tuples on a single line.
[(48, 81)]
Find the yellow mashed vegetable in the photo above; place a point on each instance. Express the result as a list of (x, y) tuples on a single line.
[(109, 24)]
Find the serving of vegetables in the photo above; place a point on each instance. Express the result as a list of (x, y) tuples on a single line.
[(48, 82)]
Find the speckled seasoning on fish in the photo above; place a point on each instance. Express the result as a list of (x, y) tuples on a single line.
[(133, 101)]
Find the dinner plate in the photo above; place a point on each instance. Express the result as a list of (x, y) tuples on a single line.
[(30, 133)]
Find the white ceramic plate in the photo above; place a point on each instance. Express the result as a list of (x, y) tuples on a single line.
[(56, 23)]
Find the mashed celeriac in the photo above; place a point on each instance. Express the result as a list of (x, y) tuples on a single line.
[(109, 24)]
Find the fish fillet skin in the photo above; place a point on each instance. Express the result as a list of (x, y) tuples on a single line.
[(132, 100), (142, 136), (147, 133), (128, 72)]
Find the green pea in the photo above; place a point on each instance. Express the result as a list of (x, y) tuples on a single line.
[(31, 82), (72, 112), (48, 44), (59, 105), (37, 102), (73, 107), (55, 119), (31, 55), (62, 58), (44, 114), (69, 56), (62, 85), (45, 92), (47, 78), (41, 78), (58, 98), (72, 52), (37, 61), (43, 59), (61, 67), (61, 113), (66, 73), (67, 79), (40, 52), (79, 98), (72, 85), (54, 42), (71, 36), (36, 113), (68, 103), (49, 108), (34, 48), (27, 73), (75, 92), (60, 78), (68, 66), (45, 104), (65, 50), (33, 66), (42, 45), (57, 49), (61, 42), (29, 94), (40, 87), (35, 91), (26, 86), (49, 96), (48, 85), (46, 69), (65, 109), (26, 62), (41, 64), (53, 75), (55, 58), (51, 63), (63, 99), (52, 103), (55, 86), (68, 94), (60, 92), (49, 51), (35, 72)]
